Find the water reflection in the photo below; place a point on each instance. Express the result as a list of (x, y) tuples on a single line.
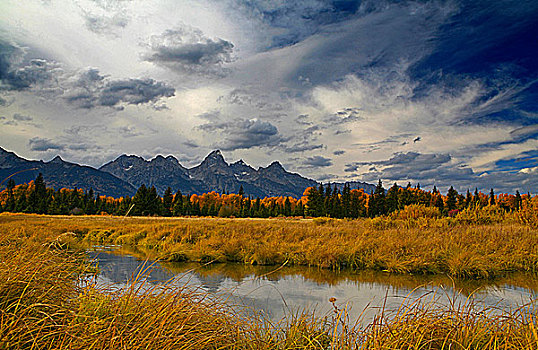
[(277, 292)]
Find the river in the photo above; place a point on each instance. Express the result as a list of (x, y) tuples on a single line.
[(279, 291)]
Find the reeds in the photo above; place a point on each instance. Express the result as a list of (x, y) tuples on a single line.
[(48, 302), (406, 242)]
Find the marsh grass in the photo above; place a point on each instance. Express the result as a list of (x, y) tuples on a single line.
[(46, 302), (415, 240)]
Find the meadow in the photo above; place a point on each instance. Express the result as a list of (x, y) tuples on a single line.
[(485, 242), (47, 300)]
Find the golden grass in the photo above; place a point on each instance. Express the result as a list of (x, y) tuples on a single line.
[(413, 244), (44, 305)]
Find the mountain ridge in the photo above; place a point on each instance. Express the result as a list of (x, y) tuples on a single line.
[(123, 175)]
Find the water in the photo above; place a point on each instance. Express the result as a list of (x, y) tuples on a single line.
[(277, 292)]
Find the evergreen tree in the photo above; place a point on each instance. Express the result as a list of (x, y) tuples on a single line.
[(287, 207), (167, 202), (392, 198), (491, 197), (468, 199), (154, 203), (377, 201), (476, 197), (10, 203), (451, 198), (140, 201), (346, 201), (241, 191), (518, 200), (177, 204)]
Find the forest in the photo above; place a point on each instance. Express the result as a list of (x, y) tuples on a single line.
[(323, 201)]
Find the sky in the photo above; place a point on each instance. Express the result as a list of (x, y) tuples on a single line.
[(432, 92)]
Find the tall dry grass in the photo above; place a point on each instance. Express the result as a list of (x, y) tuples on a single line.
[(415, 240), (44, 304)]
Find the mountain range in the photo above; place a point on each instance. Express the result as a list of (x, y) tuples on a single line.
[(126, 173)]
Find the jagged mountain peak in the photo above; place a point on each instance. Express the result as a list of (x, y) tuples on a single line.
[(129, 157), (275, 166), (56, 160), (214, 158)]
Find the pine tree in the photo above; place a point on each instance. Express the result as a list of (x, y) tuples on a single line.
[(10, 203), (377, 201), (241, 191), (140, 201), (154, 202), (167, 202), (392, 198), (491, 197), (476, 197), (518, 200), (177, 204), (346, 201), (451, 197), (287, 207), (468, 199)]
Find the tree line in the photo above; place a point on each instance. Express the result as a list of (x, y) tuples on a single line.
[(324, 200)]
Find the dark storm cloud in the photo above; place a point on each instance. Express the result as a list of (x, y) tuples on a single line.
[(87, 90), (91, 89), (9, 53), (317, 162), (187, 50), (43, 144), (134, 92), (244, 134), (37, 72)]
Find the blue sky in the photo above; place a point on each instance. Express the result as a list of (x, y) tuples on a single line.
[(437, 92)]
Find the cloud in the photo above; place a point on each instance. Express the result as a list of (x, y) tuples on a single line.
[(339, 152), (284, 23), (525, 132), (187, 50), (346, 115), (38, 72), (317, 162), (10, 53), (90, 89), (244, 134), (43, 144), (303, 120), (22, 118), (302, 147), (134, 92), (443, 170)]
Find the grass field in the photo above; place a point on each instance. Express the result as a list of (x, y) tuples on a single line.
[(400, 244), (43, 304)]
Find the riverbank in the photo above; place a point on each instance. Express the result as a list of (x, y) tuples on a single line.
[(418, 245), (43, 304)]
